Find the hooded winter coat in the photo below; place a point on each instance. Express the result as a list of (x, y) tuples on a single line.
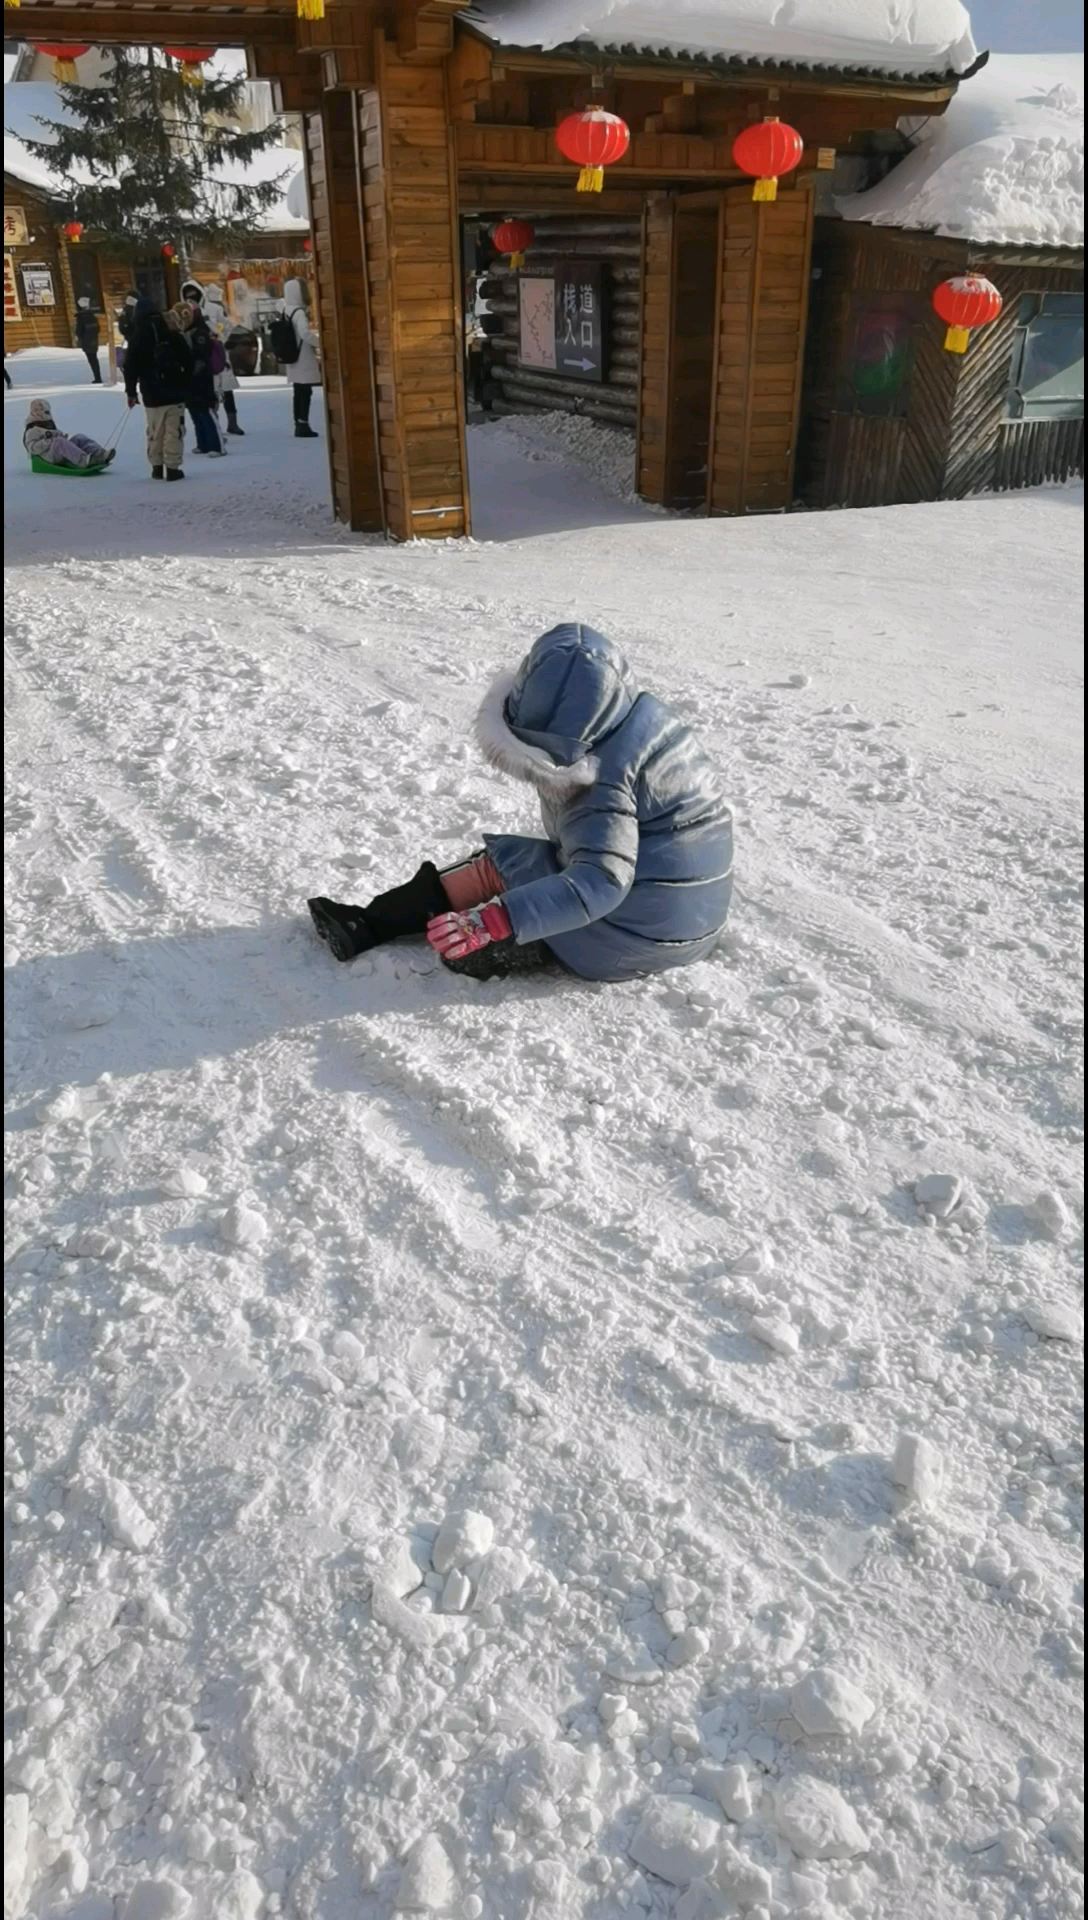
[(157, 360), (214, 308), (306, 370), (635, 875)]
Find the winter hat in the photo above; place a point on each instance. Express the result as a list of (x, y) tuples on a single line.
[(40, 413), (83, 301), (193, 291)]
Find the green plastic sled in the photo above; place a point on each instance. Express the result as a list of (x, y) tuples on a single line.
[(38, 465)]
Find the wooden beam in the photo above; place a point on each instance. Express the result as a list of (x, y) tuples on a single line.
[(245, 25)]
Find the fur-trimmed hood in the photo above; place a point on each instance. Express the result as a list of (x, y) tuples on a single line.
[(542, 723)]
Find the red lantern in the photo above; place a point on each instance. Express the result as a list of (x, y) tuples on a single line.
[(64, 57), (190, 60), (513, 237), (767, 150), (965, 301), (169, 251), (73, 232), (594, 140), (307, 246)]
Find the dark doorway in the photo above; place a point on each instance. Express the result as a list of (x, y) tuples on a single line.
[(692, 348), (86, 279)]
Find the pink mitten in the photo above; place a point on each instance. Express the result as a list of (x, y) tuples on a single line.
[(455, 935)]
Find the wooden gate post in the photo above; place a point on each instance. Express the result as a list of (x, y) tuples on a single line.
[(343, 311)]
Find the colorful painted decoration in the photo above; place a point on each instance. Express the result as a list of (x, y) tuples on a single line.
[(967, 300), (593, 140), (768, 149)]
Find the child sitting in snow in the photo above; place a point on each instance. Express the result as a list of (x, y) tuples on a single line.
[(635, 874), (44, 440)]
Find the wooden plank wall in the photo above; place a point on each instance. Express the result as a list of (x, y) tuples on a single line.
[(651, 452), (342, 317), (984, 448), (764, 307), (410, 222), (693, 341)]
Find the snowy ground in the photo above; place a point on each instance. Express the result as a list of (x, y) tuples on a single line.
[(303, 1260)]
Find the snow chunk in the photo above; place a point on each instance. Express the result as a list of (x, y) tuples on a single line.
[(938, 1193), (678, 1839), (125, 1517), (1053, 1321), (157, 1900), (243, 1226), (775, 1332), (1050, 1214), (686, 1647), (427, 1881), (825, 1702), (241, 1898), (456, 1593), (16, 1828), (505, 1571), (730, 1787), (918, 1468), (816, 1821), (183, 1183), (462, 1537)]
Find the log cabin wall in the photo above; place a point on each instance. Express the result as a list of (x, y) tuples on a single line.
[(38, 326), (944, 433)]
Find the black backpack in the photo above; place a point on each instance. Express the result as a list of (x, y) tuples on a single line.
[(283, 339)]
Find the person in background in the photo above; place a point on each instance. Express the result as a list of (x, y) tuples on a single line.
[(158, 370), (44, 440), (87, 336), (303, 374), (201, 399), (210, 301)]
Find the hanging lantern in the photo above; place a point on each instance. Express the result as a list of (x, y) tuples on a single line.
[(73, 232), (965, 301), (190, 60), (514, 238), (594, 140), (64, 56), (169, 251), (768, 149), (307, 246)]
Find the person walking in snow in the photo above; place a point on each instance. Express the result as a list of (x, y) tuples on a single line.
[(44, 440), (158, 371), (212, 305), (635, 874), (87, 336), (304, 372), (201, 398)]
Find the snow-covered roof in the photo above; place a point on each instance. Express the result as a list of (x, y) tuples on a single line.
[(919, 40), (1004, 164)]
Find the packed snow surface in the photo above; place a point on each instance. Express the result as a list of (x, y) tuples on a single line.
[(1004, 163), (885, 36), (407, 1510)]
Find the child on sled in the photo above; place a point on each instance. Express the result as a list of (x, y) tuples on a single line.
[(44, 440)]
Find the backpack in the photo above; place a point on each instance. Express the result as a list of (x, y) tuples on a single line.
[(217, 358), (166, 361), (283, 339)]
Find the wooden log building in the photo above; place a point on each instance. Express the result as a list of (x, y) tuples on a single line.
[(419, 121)]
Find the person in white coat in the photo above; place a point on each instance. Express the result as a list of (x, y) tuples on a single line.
[(214, 308), (304, 374)]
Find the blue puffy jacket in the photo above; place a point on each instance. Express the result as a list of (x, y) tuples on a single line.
[(636, 872)]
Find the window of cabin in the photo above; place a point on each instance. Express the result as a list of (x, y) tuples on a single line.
[(1048, 358)]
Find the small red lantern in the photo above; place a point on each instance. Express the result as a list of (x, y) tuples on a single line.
[(307, 246), (513, 237), (169, 251), (967, 300), (594, 140), (73, 232), (64, 57), (767, 150), (190, 60)]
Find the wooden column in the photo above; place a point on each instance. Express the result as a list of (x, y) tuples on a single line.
[(343, 311), (410, 223)]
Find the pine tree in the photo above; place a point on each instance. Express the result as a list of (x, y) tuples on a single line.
[(146, 158)]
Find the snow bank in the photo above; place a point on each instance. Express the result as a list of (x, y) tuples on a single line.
[(929, 37), (1004, 164)]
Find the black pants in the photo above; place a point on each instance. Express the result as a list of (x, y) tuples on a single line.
[(92, 361), (230, 405), (303, 394)]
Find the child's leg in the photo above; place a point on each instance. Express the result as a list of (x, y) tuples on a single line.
[(68, 450), (472, 883), (91, 447)]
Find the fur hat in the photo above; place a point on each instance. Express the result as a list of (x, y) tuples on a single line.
[(40, 412)]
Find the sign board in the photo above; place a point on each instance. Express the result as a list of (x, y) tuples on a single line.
[(580, 320), (38, 287), (11, 291), (15, 228), (536, 321), (825, 159)]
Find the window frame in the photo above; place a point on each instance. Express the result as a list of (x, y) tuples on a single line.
[(1019, 406)]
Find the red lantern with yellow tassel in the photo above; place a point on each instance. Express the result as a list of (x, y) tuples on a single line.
[(169, 251), (63, 56), (768, 149), (73, 232), (967, 300), (594, 140), (514, 238), (189, 60)]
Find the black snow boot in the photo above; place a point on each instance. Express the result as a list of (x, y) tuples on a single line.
[(303, 432), (403, 911), (174, 473), (233, 427), (157, 473)]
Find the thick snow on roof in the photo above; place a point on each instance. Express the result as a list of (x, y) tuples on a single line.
[(886, 36), (1005, 163)]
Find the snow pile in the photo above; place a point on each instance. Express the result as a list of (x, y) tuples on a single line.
[(406, 1514), (882, 36), (1005, 163), (565, 440)]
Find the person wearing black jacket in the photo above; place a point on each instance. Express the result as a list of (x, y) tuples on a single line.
[(202, 398), (158, 371), (87, 336)]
